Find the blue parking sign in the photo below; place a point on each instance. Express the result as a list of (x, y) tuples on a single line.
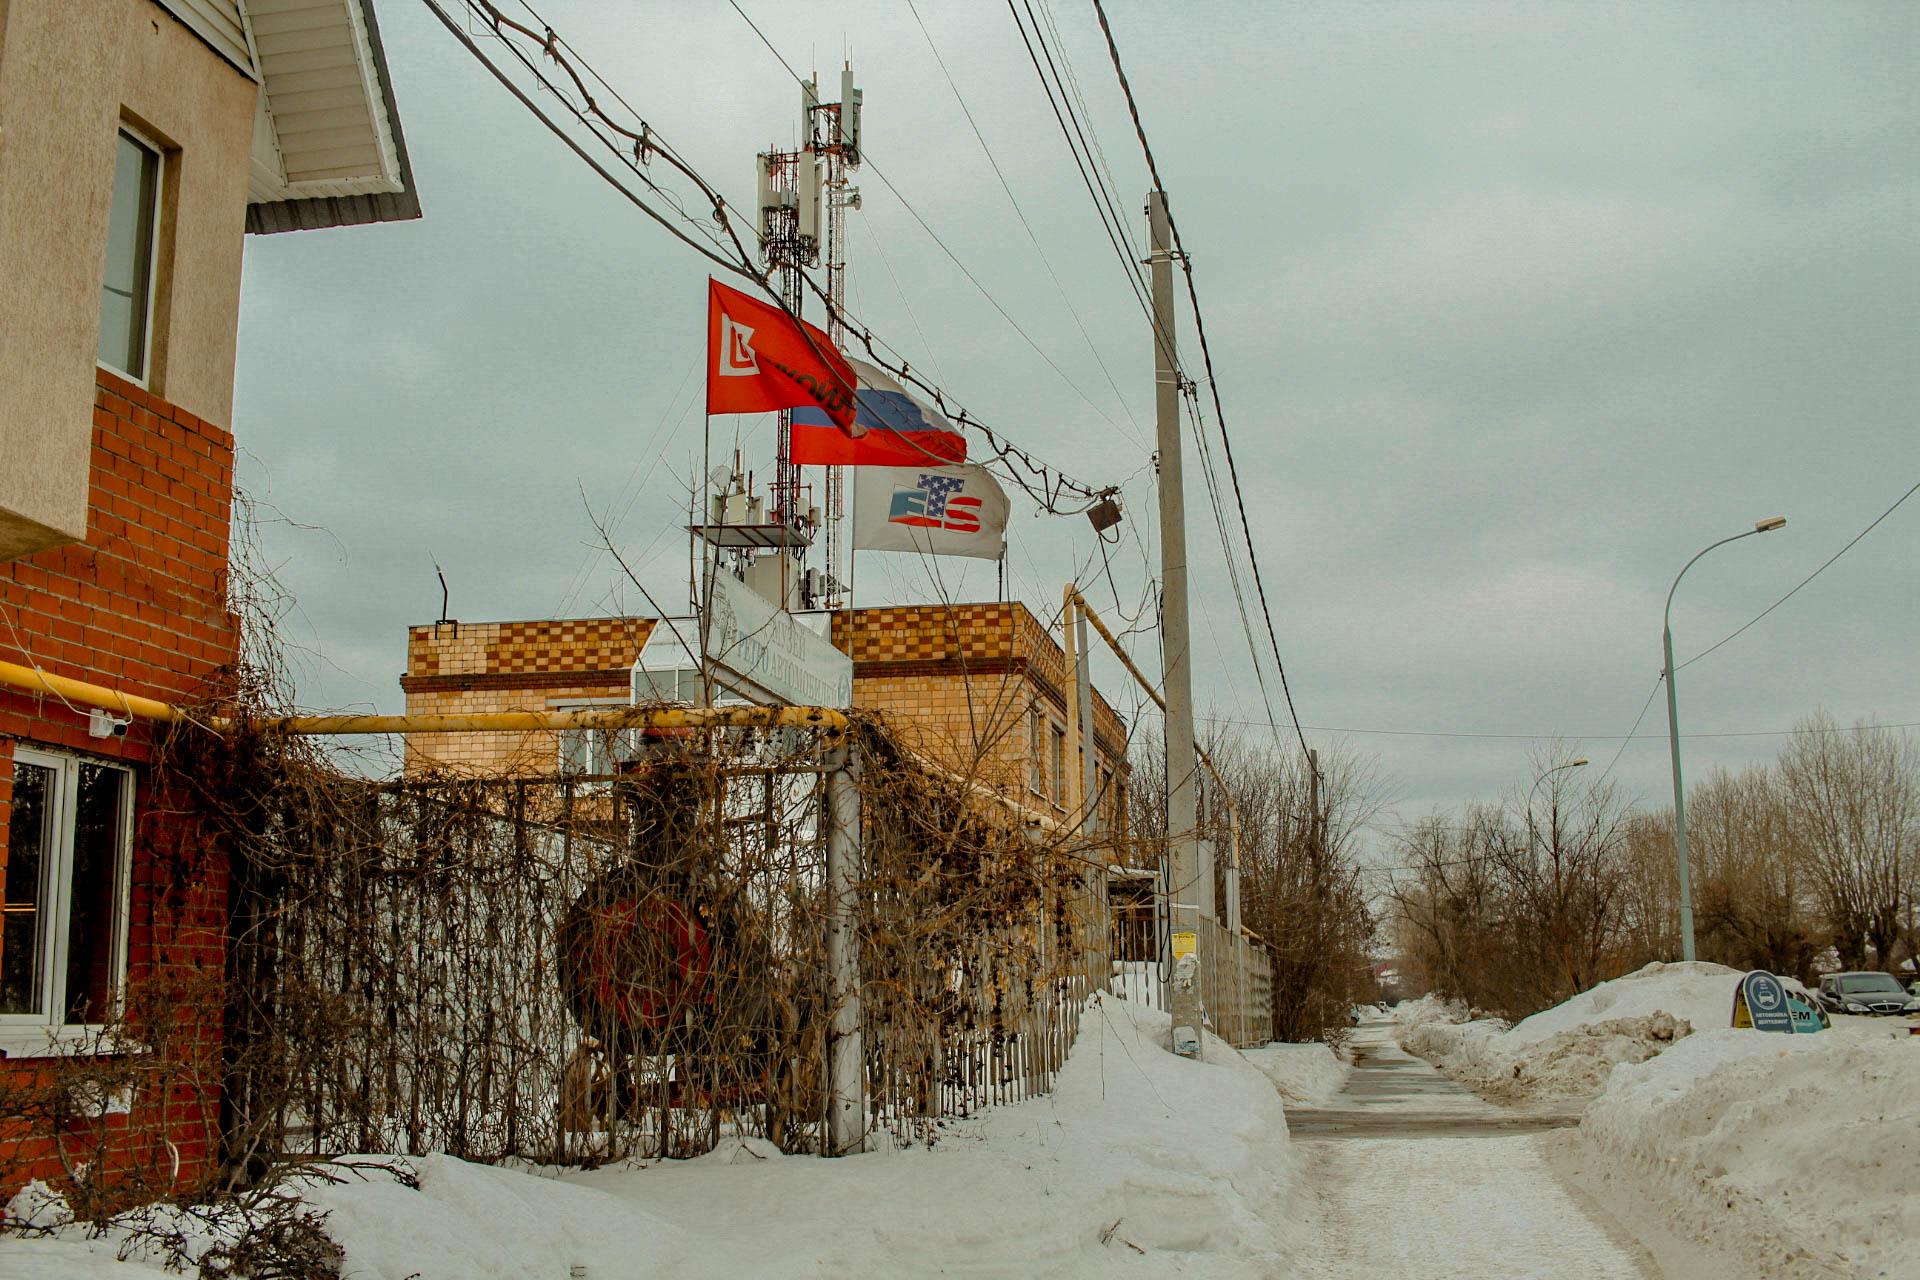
[(1760, 1002)]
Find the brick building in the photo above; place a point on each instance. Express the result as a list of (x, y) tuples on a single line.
[(555, 664), (144, 139), (976, 688)]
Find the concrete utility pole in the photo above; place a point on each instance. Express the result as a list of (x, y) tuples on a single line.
[(1189, 874), (846, 1056)]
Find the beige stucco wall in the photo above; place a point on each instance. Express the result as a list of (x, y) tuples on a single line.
[(70, 72)]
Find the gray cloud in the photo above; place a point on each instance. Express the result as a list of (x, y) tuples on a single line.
[(1515, 308)]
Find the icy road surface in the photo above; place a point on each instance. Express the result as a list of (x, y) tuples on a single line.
[(1417, 1177)]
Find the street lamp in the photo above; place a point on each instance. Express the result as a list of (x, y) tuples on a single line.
[(1571, 764), (1673, 736)]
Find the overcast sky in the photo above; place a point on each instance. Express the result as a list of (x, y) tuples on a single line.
[(1514, 308)]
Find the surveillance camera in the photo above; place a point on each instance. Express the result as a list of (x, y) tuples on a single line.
[(104, 724)]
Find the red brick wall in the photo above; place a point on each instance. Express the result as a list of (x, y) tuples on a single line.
[(141, 607)]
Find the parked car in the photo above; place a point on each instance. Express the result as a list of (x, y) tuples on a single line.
[(1874, 993)]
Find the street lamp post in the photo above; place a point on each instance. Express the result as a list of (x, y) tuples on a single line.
[(1673, 736), (1531, 830)]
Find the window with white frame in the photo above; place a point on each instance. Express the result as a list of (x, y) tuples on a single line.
[(126, 294), (64, 909), (592, 752)]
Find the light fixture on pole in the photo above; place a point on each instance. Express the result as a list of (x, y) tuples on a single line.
[(1571, 764), (1673, 736)]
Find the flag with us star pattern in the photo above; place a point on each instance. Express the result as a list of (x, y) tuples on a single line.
[(938, 511)]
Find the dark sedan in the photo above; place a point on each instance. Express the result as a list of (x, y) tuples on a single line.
[(1869, 993)]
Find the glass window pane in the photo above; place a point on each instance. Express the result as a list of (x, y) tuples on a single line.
[(124, 294), (30, 846), (92, 914), (574, 750)]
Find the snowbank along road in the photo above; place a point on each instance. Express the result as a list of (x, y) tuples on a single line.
[(1417, 1177)]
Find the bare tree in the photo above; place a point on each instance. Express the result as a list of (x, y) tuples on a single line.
[(1853, 803), (1752, 904), (1521, 904), (1300, 885)]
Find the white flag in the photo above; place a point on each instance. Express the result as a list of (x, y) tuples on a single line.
[(940, 511)]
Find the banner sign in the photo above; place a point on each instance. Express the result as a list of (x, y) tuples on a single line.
[(1760, 1002), (746, 637)]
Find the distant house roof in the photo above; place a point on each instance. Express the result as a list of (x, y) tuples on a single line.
[(327, 146)]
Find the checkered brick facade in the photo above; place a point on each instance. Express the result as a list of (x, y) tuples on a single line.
[(140, 606), (978, 687), (960, 683), (460, 668)]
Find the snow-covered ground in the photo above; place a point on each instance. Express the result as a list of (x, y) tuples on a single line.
[(1797, 1154), (1305, 1074), (1800, 1152), (1568, 1051), (1419, 1178), (1138, 1162)]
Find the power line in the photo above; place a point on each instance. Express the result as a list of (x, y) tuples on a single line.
[(634, 147), (1206, 356), (1630, 735), (1021, 214), (1082, 149), (1803, 582), (866, 159), (1632, 729)]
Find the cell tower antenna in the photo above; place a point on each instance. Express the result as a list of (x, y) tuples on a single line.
[(793, 186), (837, 139)]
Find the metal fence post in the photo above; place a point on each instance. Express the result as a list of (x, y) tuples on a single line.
[(846, 1057)]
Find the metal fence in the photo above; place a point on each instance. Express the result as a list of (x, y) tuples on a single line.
[(1236, 978), (578, 969)]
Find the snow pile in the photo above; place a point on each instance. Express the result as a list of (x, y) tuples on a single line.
[(469, 1220), (1799, 1149), (1570, 1050), (148, 1240), (1305, 1074), (1694, 990), (1138, 1163)]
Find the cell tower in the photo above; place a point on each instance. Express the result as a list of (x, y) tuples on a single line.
[(791, 185)]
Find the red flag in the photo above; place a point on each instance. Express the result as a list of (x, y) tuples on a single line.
[(819, 445), (760, 358)]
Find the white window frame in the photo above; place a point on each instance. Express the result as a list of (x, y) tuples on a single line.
[(38, 1034), (144, 379), (563, 736)]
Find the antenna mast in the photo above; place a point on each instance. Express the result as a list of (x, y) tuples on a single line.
[(835, 135), (791, 241)]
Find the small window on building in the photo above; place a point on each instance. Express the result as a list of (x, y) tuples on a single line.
[(126, 296), (593, 752), (1059, 764), (62, 940), (589, 751), (1036, 750)]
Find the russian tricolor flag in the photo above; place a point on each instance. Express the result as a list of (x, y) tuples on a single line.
[(900, 430)]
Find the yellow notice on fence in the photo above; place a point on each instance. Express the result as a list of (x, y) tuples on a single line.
[(1185, 944)]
